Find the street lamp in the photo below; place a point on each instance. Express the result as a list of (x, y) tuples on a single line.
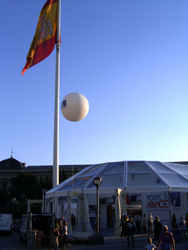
[(44, 190), (97, 182), (13, 207), (23, 205), (22, 196)]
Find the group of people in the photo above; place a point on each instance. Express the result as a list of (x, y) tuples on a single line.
[(141, 224), (166, 241), (161, 234), (175, 226), (59, 234), (178, 228)]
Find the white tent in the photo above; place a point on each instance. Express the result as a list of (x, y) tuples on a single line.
[(153, 180)]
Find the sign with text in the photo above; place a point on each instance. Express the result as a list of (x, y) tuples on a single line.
[(157, 201)]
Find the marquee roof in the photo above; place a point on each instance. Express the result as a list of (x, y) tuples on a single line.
[(133, 176)]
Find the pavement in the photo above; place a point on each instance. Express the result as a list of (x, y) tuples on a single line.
[(113, 242), (115, 239), (141, 240), (110, 243)]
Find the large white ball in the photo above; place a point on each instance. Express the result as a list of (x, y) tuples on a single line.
[(74, 107)]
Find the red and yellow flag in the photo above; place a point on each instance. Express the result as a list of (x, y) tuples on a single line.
[(46, 35)]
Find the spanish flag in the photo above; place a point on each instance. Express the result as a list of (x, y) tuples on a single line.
[(46, 35)]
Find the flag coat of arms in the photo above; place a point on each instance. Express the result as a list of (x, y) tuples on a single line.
[(46, 35)]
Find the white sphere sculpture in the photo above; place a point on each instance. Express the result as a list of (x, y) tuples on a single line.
[(74, 107)]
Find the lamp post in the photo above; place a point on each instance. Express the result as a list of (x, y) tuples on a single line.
[(23, 197), (13, 207), (44, 190), (97, 182)]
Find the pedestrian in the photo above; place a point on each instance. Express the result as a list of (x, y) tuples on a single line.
[(182, 225), (158, 228), (150, 245), (73, 221), (61, 222), (51, 236), (60, 230), (64, 235), (144, 224), (150, 223), (123, 226), (174, 227), (56, 234), (137, 220), (130, 232), (166, 240)]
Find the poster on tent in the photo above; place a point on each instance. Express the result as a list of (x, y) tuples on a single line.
[(157, 202), (160, 202)]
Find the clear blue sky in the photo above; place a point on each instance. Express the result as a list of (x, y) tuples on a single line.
[(129, 58)]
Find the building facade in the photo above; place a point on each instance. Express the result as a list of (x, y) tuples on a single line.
[(10, 168)]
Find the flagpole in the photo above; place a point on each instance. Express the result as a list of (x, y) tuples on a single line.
[(56, 111)]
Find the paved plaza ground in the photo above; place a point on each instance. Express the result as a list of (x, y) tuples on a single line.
[(110, 243)]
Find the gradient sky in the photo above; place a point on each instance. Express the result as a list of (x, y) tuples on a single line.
[(129, 58)]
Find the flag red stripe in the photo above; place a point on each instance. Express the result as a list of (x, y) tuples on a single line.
[(46, 29), (48, 3), (44, 49)]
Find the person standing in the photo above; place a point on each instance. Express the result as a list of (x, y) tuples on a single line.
[(130, 231), (166, 240), (174, 227), (158, 228), (144, 224), (61, 230), (123, 226), (150, 223), (56, 234), (137, 220), (182, 225), (64, 235), (51, 236), (61, 223)]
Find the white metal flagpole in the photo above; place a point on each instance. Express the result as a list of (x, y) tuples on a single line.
[(56, 111)]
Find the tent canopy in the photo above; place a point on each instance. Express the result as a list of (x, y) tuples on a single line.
[(133, 176)]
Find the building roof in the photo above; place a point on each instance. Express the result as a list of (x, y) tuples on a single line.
[(134, 176), (11, 164), (61, 167)]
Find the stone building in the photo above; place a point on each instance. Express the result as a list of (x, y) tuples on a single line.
[(10, 168)]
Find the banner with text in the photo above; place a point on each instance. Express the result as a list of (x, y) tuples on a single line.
[(157, 202)]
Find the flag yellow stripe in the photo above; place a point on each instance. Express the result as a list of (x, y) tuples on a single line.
[(47, 17), (45, 35)]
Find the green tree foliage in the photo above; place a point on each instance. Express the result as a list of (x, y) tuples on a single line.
[(27, 184), (62, 176), (46, 184), (3, 197)]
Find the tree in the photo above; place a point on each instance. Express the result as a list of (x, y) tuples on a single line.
[(62, 176), (26, 184), (3, 197), (46, 184)]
